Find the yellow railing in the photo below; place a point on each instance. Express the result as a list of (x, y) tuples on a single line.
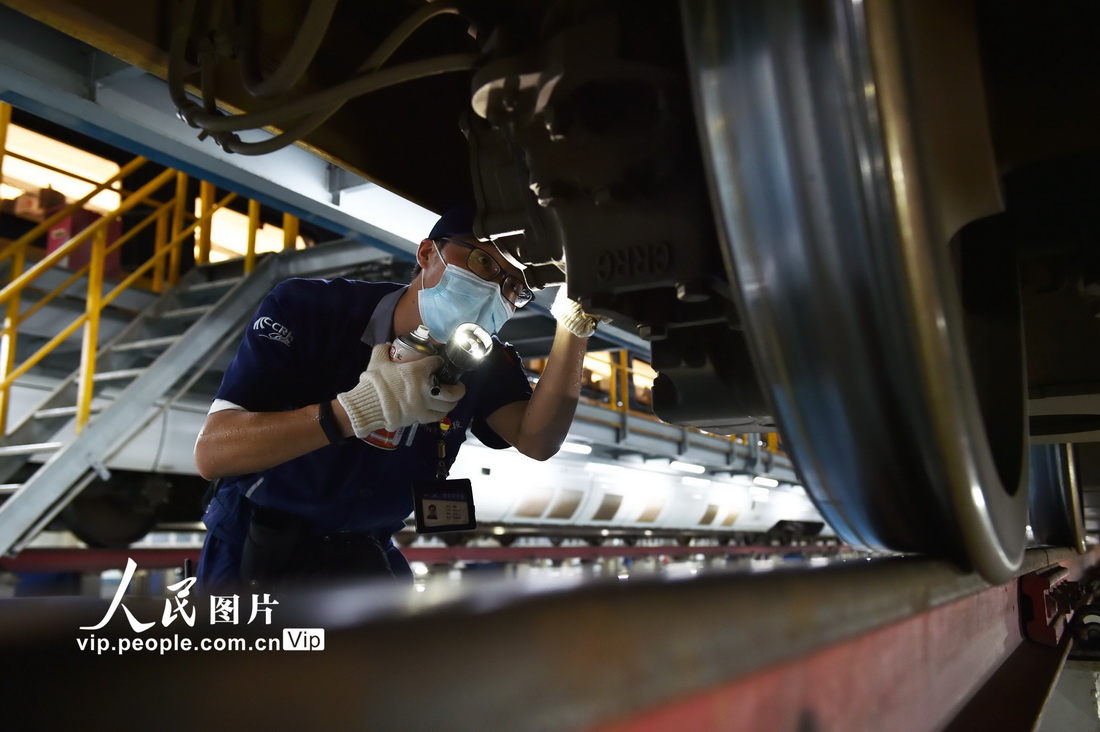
[(620, 385), (162, 269)]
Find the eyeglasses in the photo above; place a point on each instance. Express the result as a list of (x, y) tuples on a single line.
[(487, 268)]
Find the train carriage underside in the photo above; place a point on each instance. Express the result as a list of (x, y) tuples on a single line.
[(872, 226)]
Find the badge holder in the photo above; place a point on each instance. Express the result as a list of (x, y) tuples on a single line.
[(441, 504), (444, 505)]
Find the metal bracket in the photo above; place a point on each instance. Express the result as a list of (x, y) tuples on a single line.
[(1047, 603), (340, 181), (100, 470)]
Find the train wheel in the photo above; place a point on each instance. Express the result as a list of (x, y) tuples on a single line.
[(901, 401), (1056, 507), (117, 513)]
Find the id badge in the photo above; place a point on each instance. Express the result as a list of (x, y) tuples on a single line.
[(443, 505)]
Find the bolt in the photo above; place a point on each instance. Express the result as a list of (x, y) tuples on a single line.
[(692, 291)]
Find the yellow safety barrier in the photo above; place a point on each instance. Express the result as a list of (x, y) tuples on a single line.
[(162, 269), (618, 393)]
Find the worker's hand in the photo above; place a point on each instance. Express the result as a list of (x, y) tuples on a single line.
[(393, 394), (572, 317)]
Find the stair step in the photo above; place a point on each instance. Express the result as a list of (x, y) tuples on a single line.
[(62, 412), (224, 284), (145, 343), (120, 374), (32, 449), (183, 313), (6, 489)]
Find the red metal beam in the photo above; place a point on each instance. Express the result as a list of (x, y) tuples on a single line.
[(915, 674), (94, 560), (911, 675)]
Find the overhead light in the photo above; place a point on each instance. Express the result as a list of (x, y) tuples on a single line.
[(687, 467), (700, 482), (603, 468), (83, 166), (576, 447), (498, 531), (766, 482), (760, 495)]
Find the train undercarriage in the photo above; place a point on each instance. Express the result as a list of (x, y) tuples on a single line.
[(870, 226)]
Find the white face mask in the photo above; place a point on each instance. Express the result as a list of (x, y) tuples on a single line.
[(462, 297)]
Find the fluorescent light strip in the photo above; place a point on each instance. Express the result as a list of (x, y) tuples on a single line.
[(604, 468), (766, 482), (687, 467), (576, 447)]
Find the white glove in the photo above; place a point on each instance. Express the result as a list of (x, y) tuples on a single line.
[(572, 317), (393, 394)]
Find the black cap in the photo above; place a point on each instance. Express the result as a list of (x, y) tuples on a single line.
[(457, 221)]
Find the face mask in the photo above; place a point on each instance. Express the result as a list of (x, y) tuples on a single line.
[(462, 297)]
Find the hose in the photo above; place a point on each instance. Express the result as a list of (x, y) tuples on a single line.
[(357, 86), (306, 113), (231, 143), (178, 67), (302, 51)]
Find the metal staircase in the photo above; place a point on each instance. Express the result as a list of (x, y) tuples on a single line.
[(144, 363), (149, 363)]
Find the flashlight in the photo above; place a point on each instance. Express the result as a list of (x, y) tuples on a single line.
[(463, 352)]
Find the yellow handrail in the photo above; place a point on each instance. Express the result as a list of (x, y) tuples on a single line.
[(178, 212), (43, 351), (137, 273), (619, 401), (253, 226), (171, 231), (72, 244), (20, 279), (160, 243), (106, 300), (21, 243), (290, 232), (5, 121), (206, 199), (48, 297), (91, 330), (7, 344)]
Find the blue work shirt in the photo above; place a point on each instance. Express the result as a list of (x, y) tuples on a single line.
[(310, 340)]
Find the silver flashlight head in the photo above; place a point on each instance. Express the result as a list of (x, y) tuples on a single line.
[(468, 346)]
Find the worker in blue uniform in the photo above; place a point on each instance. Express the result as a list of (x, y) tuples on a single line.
[(303, 492)]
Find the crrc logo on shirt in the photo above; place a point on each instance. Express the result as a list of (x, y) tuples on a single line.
[(268, 328)]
